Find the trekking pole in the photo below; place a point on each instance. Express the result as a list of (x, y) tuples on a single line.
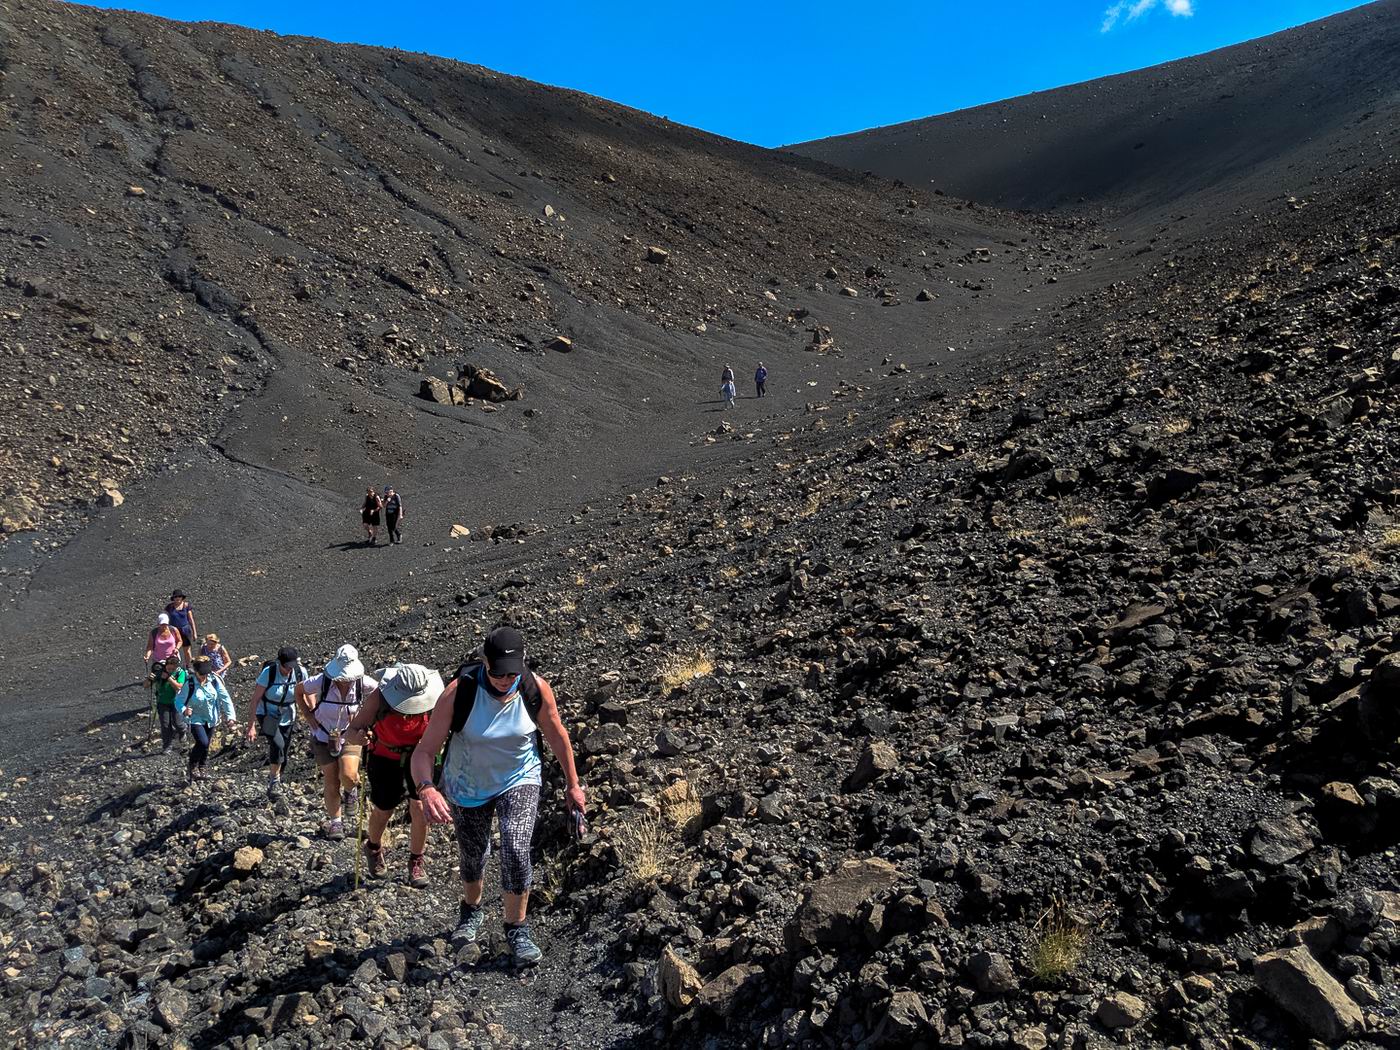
[(359, 836)]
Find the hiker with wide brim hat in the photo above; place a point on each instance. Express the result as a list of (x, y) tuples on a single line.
[(390, 723), (491, 718), (330, 701)]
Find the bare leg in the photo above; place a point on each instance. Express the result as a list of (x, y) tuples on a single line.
[(378, 821), (515, 905), (418, 837), (330, 789)]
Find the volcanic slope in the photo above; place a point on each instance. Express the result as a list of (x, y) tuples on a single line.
[(885, 682), (1286, 114), (230, 259)]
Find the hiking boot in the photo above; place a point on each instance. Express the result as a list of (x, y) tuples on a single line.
[(469, 922), (274, 787), (350, 800), (335, 829), (374, 856), (417, 873), (191, 775), (524, 951)]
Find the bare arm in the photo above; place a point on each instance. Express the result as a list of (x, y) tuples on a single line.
[(557, 737), (435, 807), (258, 692), (364, 718), (306, 700)]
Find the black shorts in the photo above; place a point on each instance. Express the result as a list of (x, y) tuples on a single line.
[(390, 779)]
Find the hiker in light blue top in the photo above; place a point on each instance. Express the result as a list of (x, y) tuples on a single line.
[(272, 711), (206, 704), (497, 751), (492, 717)]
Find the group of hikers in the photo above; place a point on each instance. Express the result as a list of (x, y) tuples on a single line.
[(390, 504), (459, 751), (730, 393)]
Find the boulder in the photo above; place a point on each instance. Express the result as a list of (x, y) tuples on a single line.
[(876, 759), (992, 973), (1121, 1010), (850, 292), (1274, 843), (1175, 483), (722, 994), (562, 343), (19, 514), (435, 390), (461, 532), (924, 296), (904, 1020), (246, 859), (657, 255), (1377, 710), (827, 917), (1312, 996), (111, 497), (483, 384), (678, 980)]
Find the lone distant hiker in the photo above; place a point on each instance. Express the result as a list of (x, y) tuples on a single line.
[(181, 614), (369, 515), (206, 704), (727, 376), (163, 641), (729, 393), (330, 701), (167, 679), (760, 380), (272, 712), (397, 714), (491, 717), (217, 654), (393, 514)]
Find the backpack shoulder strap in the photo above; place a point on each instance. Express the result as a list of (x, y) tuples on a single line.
[(467, 676), (530, 691)]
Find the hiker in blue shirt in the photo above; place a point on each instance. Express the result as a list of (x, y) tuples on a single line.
[(181, 614), (760, 380), (206, 704), (272, 712)]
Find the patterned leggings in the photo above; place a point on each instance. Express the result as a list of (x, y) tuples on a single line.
[(517, 808)]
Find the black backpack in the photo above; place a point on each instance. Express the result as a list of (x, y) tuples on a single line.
[(298, 676), (326, 688)]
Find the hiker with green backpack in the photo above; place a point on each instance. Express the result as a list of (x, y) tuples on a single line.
[(330, 701), (491, 717), (391, 721)]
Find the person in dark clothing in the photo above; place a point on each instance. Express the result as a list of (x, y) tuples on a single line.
[(760, 380), (393, 514), (369, 515)]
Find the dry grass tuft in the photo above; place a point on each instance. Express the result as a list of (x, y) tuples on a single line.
[(1061, 940), (1078, 519), (1362, 561), (645, 846), (1391, 540), (1172, 427), (682, 667), (680, 807)]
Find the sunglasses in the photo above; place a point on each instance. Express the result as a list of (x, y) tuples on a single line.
[(499, 674)]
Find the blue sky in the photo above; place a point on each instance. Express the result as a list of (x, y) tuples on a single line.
[(781, 72)]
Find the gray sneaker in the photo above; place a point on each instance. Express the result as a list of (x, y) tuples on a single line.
[(274, 787), (469, 923), (524, 951), (350, 801)]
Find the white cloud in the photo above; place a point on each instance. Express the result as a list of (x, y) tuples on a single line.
[(1130, 10)]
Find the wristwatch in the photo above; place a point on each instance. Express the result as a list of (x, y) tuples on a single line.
[(424, 784)]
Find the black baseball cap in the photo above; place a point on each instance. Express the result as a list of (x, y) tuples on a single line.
[(176, 594), (504, 651), (287, 655)]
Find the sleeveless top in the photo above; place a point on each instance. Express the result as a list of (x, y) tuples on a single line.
[(165, 645), (215, 654), (494, 752)]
